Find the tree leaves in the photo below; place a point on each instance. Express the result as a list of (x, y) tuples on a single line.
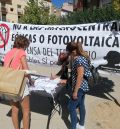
[(37, 14)]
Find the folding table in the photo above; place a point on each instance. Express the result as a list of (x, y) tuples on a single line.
[(54, 100)]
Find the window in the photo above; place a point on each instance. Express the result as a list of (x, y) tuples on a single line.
[(19, 19), (19, 10), (3, 17), (3, 4), (11, 9), (19, 6)]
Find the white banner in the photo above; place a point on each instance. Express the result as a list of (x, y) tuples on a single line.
[(100, 40)]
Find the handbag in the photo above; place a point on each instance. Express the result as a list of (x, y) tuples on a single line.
[(12, 82)]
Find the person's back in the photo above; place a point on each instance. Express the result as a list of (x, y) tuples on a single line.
[(17, 55), (19, 62)]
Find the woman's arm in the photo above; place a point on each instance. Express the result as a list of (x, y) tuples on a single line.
[(24, 63), (25, 67), (80, 73)]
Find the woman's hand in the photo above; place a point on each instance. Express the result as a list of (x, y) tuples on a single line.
[(63, 81), (75, 93)]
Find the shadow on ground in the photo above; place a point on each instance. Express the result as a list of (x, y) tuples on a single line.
[(103, 90), (41, 105), (103, 87)]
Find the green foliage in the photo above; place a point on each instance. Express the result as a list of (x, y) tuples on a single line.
[(107, 13), (116, 5), (52, 20), (37, 14)]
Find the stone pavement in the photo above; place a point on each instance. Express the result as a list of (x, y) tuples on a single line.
[(106, 93)]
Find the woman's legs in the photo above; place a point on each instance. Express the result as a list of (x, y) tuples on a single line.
[(73, 115), (82, 107), (15, 111), (25, 104), (73, 104)]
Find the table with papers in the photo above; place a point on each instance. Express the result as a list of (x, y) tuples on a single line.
[(46, 87)]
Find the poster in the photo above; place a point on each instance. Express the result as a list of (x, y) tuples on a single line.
[(100, 40)]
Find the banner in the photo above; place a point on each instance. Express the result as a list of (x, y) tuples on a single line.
[(100, 40)]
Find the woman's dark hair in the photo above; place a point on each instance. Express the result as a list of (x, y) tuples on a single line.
[(62, 58), (78, 47), (21, 42)]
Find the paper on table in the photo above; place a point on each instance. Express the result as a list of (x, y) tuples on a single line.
[(45, 84)]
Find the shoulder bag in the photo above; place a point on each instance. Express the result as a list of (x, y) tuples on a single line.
[(12, 82)]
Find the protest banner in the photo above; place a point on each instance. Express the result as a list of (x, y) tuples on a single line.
[(100, 40)]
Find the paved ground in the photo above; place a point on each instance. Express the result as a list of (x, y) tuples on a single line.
[(102, 104)]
